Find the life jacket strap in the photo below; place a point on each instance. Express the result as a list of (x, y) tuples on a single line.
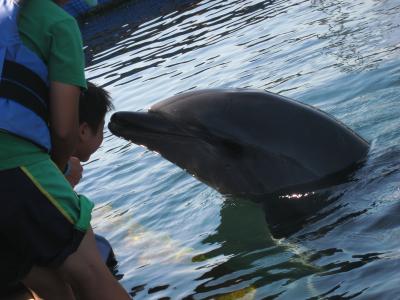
[(22, 85)]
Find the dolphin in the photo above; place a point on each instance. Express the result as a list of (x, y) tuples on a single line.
[(252, 144), (246, 142)]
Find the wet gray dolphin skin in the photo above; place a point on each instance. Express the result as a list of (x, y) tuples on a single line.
[(245, 142)]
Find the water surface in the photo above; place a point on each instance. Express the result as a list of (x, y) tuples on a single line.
[(176, 237)]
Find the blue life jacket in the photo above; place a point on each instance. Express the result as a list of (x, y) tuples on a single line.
[(24, 88)]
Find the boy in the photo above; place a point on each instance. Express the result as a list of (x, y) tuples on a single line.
[(44, 225), (94, 103)]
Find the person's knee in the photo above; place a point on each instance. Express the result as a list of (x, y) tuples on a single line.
[(88, 275), (85, 263)]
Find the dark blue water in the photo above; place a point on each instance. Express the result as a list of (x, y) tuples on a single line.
[(176, 237)]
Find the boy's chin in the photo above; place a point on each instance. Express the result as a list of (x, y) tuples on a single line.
[(81, 157), (84, 159)]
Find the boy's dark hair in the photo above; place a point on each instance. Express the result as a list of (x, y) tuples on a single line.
[(94, 103)]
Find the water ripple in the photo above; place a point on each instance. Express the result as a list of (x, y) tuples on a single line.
[(177, 238)]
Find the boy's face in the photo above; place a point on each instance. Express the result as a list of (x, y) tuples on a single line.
[(89, 141)]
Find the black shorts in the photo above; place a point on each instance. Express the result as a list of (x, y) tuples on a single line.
[(35, 229)]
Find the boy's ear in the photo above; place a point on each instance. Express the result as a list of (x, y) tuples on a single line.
[(83, 130)]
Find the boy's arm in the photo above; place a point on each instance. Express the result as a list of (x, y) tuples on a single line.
[(64, 121), (87, 274)]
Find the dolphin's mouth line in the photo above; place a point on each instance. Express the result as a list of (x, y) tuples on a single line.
[(119, 127)]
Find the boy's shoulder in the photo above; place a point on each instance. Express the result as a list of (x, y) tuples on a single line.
[(47, 11)]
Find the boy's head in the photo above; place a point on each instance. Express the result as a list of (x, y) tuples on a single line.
[(94, 103)]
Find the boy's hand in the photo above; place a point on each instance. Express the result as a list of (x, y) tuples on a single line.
[(76, 170)]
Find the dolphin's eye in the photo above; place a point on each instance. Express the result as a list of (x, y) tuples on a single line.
[(232, 148)]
